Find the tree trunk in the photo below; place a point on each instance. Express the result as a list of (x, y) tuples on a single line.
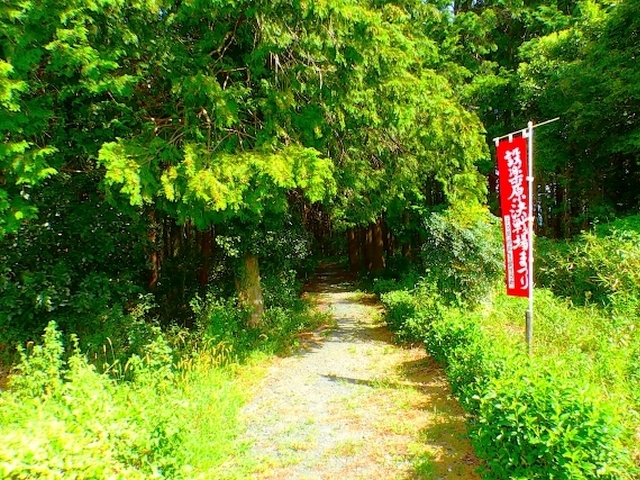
[(367, 249), (377, 247), (166, 244), (175, 239), (406, 245), (153, 251), (406, 250), (354, 249), (206, 251), (250, 290), (389, 240)]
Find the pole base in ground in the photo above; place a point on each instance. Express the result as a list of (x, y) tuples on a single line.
[(529, 329)]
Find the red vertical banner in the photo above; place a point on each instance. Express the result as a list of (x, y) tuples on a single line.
[(514, 203)]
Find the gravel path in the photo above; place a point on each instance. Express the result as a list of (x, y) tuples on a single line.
[(352, 405)]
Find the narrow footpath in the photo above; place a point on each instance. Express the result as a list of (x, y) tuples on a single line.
[(352, 405)]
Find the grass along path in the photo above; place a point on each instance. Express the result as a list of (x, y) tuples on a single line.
[(352, 405)]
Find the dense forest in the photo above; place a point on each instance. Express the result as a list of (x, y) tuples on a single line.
[(172, 172)]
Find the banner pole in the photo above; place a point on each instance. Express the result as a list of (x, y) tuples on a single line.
[(546, 122), (529, 314), (526, 133)]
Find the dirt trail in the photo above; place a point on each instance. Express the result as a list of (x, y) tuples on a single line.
[(352, 405)]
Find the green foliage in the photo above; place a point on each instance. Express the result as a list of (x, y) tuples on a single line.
[(587, 343), (400, 309), (410, 314), (460, 261), (244, 185), (231, 113), (458, 342), (281, 289), (63, 419), (601, 267), (515, 61), (282, 326), (222, 322), (235, 115), (41, 369), (396, 279), (473, 363), (531, 426), (585, 72), (449, 337), (461, 253), (286, 258), (61, 91), (568, 412), (79, 267), (400, 306)]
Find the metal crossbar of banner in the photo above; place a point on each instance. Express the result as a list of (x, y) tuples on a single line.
[(515, 166)]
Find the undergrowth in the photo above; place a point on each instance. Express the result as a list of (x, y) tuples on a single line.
[(569, 411), (61, 418), (167, 411)]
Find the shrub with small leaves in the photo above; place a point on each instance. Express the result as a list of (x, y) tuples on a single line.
[(528, 422), (41, 367), (601, 267), (530, 426), (462, 253), (400, 307)]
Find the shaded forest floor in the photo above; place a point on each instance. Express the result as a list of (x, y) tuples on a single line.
[(351, 404)]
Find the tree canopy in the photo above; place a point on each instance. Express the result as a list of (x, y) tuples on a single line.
[(210, 107)]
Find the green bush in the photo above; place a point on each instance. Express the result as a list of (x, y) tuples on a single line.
[(531, 426), (386, 285), (568, 412), (63, 419), (601, 267), (457, 341), (525, 424), (405, 281), (79, 265), (281, 289), (462, 254), (221, 321), (410, 314), (153, 419), (400, 306)]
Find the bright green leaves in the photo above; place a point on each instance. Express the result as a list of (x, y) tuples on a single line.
[(210, 109), (9, 87), (246, 183), (389, 120), (124, 166), (22, 163), (13, 211), (212, 106), (54, 58)]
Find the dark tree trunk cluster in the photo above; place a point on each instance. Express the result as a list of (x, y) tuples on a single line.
[(181, 259), (168, 240), (369, 247)]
